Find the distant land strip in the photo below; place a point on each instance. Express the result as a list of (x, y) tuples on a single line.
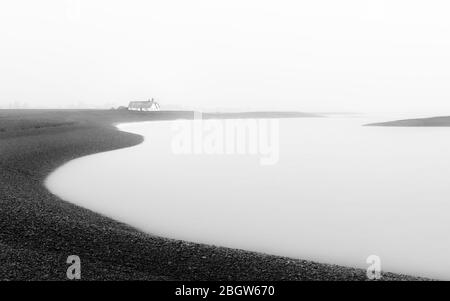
[(442, 121)]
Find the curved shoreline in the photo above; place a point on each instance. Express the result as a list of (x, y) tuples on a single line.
[(38, 230)]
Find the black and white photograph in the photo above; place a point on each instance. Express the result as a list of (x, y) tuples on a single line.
[(220, 148)]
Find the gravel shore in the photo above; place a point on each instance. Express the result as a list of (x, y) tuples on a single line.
[(38, 231)]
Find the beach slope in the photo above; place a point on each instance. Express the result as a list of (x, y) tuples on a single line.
[(38, 231)]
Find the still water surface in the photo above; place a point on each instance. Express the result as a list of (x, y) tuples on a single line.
[(338, 193)]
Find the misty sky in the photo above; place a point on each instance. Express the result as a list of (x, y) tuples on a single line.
[(321, 55)]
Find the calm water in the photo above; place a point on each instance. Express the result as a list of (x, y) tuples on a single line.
[(339, 193)]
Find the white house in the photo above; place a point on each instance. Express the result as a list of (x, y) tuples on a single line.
[(149, 105)]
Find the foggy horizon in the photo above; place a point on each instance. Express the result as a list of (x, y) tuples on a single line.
[(351, 56), (225, 148)]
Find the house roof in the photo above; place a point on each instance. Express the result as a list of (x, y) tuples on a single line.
[(140, 104)]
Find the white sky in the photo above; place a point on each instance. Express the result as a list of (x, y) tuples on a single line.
[(321, 55)]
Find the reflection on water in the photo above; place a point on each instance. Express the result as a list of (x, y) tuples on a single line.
[(338, 193)]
